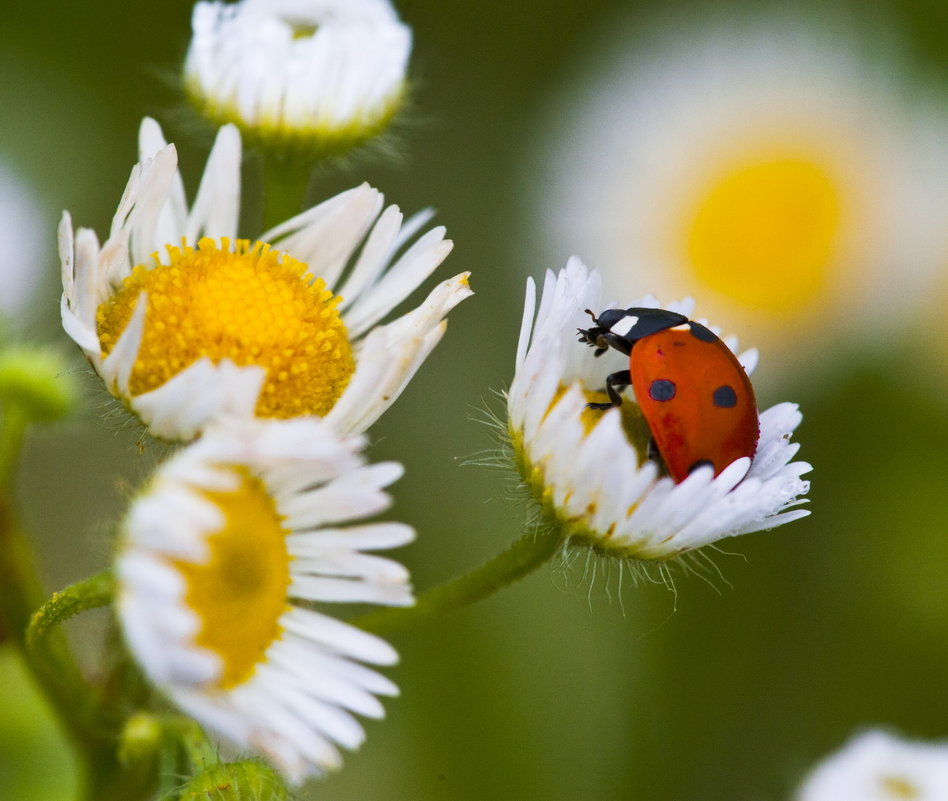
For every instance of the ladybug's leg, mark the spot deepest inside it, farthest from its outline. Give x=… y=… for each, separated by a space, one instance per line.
x=651 y=451
x=615 y=381
x=620 y=379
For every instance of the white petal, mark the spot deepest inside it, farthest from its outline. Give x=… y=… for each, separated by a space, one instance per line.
x=326 y=236
x=371 y=537
x=331 y=688
x=332 y=590
x=390 y=356
x=341 y=637
x=374 y=258
x=146 y=221
x=217 y=204
x=171 y=222
x=326 y=718
x=404 y=277
x=355 y=495
x=117 y=367
x=182 y=406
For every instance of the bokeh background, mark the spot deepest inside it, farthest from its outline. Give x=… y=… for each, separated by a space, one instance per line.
x=566 y=686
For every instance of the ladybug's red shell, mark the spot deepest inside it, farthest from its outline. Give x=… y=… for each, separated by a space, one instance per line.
x=696 y=398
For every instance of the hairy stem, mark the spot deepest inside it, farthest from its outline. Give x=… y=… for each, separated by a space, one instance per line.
x=89 y=593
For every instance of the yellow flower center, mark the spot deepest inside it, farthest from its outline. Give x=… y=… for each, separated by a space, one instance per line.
x=240 y=592
x=900 y=787
x=765 y=234
x=250 y=304
x=302 y=30
x=636 y=430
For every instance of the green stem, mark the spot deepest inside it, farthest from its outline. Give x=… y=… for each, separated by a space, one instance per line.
x=90 y=593
x=285 y=182
x=171 y=772
x=521 y=558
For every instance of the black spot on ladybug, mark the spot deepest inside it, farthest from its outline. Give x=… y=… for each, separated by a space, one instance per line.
x=662 y=390
x=725 y=397
x=701 y=463
x=698 y=331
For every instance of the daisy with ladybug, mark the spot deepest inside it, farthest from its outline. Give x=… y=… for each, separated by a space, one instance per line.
x=689 y=463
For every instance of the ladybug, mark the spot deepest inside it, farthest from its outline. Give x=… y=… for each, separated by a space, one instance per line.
x=693 y=392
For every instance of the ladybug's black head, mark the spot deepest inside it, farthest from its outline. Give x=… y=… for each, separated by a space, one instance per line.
x=622 y=328
x=607 y=319
x=594 y=337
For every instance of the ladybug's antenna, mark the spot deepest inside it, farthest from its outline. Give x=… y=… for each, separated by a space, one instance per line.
x=589 y=312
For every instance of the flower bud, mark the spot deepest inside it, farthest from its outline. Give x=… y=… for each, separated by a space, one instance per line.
x=248 y=780
x=299 y=78
x=34 y=380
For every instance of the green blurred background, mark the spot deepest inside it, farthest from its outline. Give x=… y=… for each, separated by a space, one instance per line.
x=553 y=689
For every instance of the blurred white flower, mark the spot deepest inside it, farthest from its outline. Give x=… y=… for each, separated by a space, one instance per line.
x=588 y=469
x=777 y=171
x=24 y=246
x=183 y=321
x=877 y=766
x=321 y=75
x=223 y=555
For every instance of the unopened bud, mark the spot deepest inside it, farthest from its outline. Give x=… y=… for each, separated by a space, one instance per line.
x=248 y=780
x=34 y=380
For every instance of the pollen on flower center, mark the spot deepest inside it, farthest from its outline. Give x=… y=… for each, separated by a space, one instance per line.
x=302 y=30
x=240 y=591
x=249 y=304
x=765 y=233
x=634 y=427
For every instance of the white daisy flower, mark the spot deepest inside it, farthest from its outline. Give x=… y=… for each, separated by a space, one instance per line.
x=589 y=469
x=775 y=169
x=183 y=321
x=877 y=766
x=317 y=75
x=223 y=556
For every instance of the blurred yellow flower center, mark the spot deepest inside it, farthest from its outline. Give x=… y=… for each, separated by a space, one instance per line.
x=303 y=30
x=240 y=592
x=766 y=234
x=899 y=787
x=250 y=304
